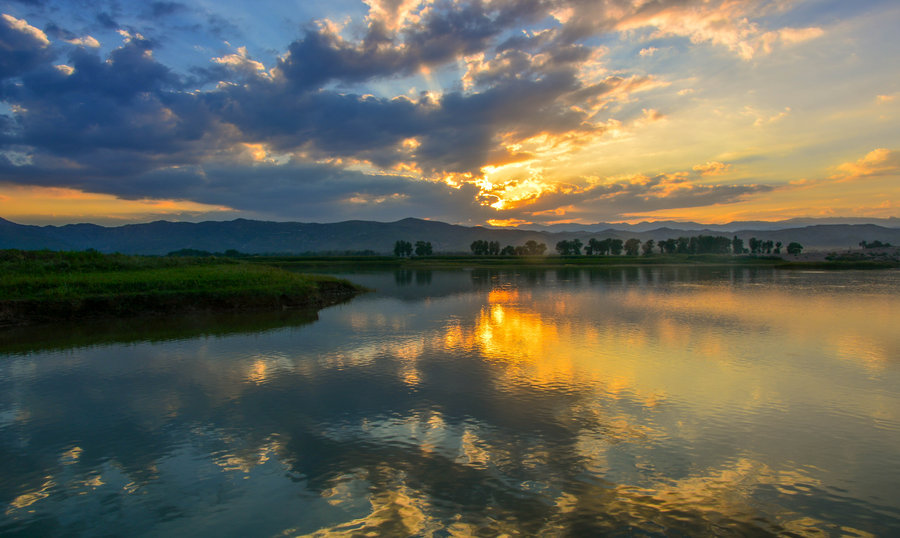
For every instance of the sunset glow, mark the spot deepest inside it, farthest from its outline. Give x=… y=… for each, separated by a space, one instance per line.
x=467 y=112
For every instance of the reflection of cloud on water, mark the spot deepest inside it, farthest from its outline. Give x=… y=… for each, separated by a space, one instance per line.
x=614 y=408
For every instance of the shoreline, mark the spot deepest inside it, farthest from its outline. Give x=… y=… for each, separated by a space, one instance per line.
x=550 y=262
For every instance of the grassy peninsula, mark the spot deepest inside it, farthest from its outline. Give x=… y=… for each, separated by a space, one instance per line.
x=48 y=286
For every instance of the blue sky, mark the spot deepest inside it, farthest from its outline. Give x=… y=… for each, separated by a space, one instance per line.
x=504 y=112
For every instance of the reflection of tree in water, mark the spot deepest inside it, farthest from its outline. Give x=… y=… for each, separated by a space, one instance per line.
x=423 y=277
x=403 y=277
x=476 y=442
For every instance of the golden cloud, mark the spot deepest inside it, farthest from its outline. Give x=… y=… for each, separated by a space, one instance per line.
x=22 y=26
x=878 y=162
x=712 y=168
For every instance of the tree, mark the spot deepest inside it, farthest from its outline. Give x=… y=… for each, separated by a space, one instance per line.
x=615 y=246
x=671 y=245
x=494 y=248
x=576 y=247
x=423 y=248
x=737 y=245
x=508 y=250
x=778 y=247
x=533 y=248
x=402 y=248
x=562 y=247
x=794 y=248
x=632 y=246
x=480 y=247
x=648 y=247
x=755 y=245
x=569 y=248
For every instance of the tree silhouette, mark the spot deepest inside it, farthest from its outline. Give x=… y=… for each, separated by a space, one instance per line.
x=615 y=246
x=632 y=246
x=533 y=248
x=569 y=248
x=794 y=248
x=480 y=247
x=423 y=248
x=737 y=245
x=648 y=247
x=403 y=248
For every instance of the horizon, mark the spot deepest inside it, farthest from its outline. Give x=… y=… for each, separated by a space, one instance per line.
x=529 y=227
x=501 y=113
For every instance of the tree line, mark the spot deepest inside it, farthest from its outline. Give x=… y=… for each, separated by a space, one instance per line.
x=405 y=248
x=480 y=247
x=699 y=244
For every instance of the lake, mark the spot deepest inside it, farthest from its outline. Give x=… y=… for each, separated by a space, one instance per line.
x=651 y=401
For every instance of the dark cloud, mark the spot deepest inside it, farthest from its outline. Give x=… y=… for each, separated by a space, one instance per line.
x=126 y=124
x=22 y=47
x=166 y=9
x=54 y=31
x=448 y=30
x=106 y=20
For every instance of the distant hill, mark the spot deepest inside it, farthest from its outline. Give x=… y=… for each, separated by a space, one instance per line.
x=256 y=237
x=730 y=227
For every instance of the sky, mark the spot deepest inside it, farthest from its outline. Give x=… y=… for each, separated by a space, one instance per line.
x=501 y=112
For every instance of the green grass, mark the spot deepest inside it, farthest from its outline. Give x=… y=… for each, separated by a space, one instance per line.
x=63 y=285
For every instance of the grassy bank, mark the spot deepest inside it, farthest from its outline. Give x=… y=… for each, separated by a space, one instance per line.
x=44 y=286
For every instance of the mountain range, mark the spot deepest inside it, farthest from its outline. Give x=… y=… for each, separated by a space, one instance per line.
x=258 y=237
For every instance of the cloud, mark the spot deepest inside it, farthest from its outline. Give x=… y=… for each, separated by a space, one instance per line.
x=712 y=168
x=878 y=162
x=166 y=9
x=395 y=14
x=727 y=23
x=617 y=197
x=22 y=47
x=241 y=63
x=85 y=41
x=651 y=114
x=69 y=37
x=510 y=83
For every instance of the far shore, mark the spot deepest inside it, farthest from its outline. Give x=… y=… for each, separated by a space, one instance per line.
x=803 y=261
x=47 y=286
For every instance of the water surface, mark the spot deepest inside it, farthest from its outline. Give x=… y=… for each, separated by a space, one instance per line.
x=553 y=402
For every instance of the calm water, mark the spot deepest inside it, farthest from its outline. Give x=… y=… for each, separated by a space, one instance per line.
x=621 y=401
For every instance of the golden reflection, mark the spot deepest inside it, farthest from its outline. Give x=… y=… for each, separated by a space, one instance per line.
x=71 y=456
x=27 y=499
x=258 y=372
x=862 y=349
x=245 y=460
x=395 y=508
x=471 y=451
